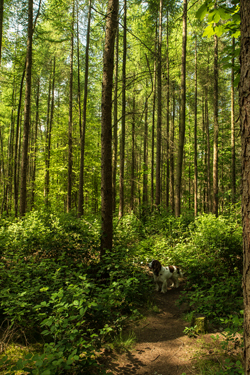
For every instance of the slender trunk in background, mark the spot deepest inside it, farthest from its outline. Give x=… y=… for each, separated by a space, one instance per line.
x=216 y=129
x=26 y=125
x=16 y=182
x=207 y=155
x=1 y=27
x=70 y=126
x=115 y=139
x=153 y=124
x=78 y=71
x=195 y=138
x=233 y=178
x=182 y=114
x=33 y=179
x=159 y=114
x=122 y=144
x=106 y=123
x=133 y=158
x=171 y=151
x=145 y=160
x=83 y=132
x=168 y=116
x=244 y=102
x=48 y=143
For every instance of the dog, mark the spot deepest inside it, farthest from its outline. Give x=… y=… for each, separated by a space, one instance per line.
x=165 y=276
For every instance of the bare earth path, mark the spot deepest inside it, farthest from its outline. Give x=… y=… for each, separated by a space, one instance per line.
x=161 y=347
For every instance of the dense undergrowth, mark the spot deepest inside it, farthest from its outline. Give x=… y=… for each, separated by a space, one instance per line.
x=55 y=292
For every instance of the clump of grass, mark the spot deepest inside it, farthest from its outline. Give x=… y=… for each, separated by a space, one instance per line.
x=124 y=341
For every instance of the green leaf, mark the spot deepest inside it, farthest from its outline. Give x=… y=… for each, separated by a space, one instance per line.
x=201 y=12
x=209 y=31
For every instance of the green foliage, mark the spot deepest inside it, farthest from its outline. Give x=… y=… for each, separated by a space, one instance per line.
x=51 y=286
x=55 y=290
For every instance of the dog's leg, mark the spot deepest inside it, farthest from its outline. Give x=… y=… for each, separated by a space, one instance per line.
x=157 y=287
x=176 y=282
x=164 y=288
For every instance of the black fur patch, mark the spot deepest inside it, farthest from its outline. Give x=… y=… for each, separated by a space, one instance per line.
x=171 y=269
x=156 y=266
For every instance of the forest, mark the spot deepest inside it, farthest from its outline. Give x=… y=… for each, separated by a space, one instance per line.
x=120 y=142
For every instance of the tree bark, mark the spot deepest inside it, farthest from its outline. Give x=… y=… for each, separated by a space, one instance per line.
x=24 y=165
x=115 y=139
x=70 y=125
x=83 y=132
x=33 y=179
x=153 y=125
x=183 y=114
x=1 y=27
x=145 y=160
x=171 y=156
x=159 y=114
x=106 y=124
x=133 y=158
x=233 y=172
x=216 y=129
x=244 y=95
x=195 y=137
x=122 y=144
x=48 y=142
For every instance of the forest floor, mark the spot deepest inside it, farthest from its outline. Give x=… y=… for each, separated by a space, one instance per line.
x=161 y=347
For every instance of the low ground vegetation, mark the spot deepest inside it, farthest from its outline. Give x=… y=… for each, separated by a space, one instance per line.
x=64 y=305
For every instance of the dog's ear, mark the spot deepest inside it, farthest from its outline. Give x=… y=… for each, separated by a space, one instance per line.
x=156 y=265
x=171 y=269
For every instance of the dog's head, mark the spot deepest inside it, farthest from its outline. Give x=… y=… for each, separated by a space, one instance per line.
x=155 y=265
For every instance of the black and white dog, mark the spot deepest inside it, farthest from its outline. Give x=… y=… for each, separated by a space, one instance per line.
x=165 y=276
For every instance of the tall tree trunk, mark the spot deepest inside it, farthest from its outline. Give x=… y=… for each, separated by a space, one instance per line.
x=159 y=114
x=168 y=117
x=24 y=165
x=122 y=144
x=78 y=71
x=48 y=143
x=216 y=129
x=183 y=113
x=133 y=158
x=16 y=182
x=145 y=160
x=153 y=124
x=70 y=126
x=115 y=139
x=244 y=95
x=106 y=122
x=81 y=178
x=195 y=137
x=33 y=179
x=171 y=156
x=1 y=27
x=233 y=172
x=207 y=156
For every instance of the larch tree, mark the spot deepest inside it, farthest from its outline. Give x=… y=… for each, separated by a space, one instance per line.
x=106 y=125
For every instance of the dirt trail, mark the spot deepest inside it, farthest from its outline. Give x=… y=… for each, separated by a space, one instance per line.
x=161 y=347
